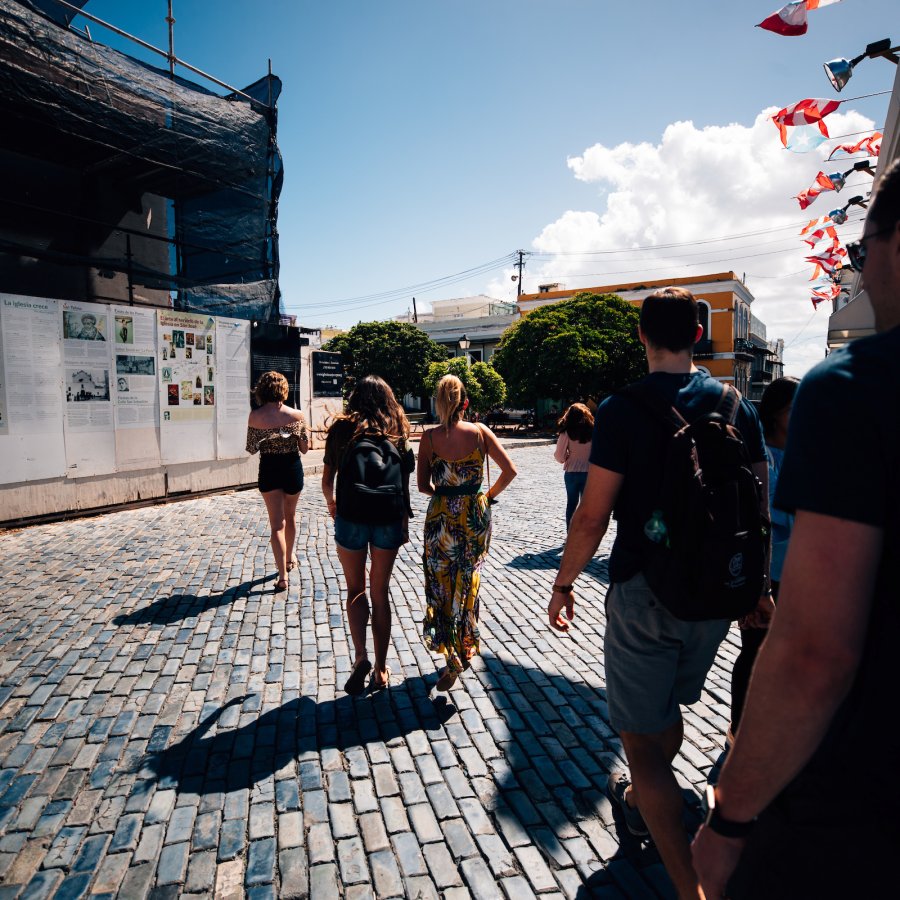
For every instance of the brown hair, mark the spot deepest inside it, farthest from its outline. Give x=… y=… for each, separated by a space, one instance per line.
x=450 y=400
x=272 y=387
x=373 y=409
x=669 y=319
x=577 y=422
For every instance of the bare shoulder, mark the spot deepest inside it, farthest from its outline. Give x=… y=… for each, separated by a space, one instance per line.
x=295 y=414
x=254 y=420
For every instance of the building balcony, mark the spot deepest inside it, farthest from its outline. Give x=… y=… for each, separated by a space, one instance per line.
x=743 y=349
x=703 y=349
x=760 y=377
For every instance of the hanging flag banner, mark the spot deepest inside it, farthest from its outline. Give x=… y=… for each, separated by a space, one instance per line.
x=791 y=20
x=803 y=138
x=871 y=144
x=828 y=262
x=187 y=385
x=804 y=112
x=819 y=233
x=32 y=446
x=87 y=363
x=821 y=294
x=822 y=183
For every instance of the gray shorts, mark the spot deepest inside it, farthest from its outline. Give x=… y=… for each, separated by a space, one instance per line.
x=654 y=662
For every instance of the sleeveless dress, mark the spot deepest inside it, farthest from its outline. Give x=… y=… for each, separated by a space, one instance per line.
x=457 y=535
x=280 y=466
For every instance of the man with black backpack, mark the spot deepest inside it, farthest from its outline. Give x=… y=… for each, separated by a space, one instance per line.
x=679 y=458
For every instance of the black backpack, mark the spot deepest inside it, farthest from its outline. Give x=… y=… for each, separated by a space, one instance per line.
x=705 y=544
x=373 y=481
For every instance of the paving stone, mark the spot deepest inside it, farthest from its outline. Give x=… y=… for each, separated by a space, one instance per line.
x=386 y=874
x=443 y=869
x=409 y=855
x=479 y=879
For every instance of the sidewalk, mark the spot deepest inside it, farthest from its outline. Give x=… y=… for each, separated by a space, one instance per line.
x=170 y=727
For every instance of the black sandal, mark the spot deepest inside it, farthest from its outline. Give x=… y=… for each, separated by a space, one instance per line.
x=356 y=683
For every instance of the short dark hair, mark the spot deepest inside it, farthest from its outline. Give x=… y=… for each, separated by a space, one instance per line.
x=885 y=208
x=669 y=319
x=777 y=397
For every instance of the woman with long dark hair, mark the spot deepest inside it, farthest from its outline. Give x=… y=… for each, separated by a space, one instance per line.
x=363 y=450
x=573 y=450
x=278 y=432
x=457 y=525
x=774 y=413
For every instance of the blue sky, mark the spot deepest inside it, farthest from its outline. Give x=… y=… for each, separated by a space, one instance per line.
x=422 y=139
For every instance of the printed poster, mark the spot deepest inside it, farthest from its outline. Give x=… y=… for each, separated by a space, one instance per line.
x=87 y=376
x=186 y=356
x=135 y=387
x=31 y=407
x=233 y=372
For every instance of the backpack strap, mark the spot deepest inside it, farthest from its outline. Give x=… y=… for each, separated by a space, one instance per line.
x=729 y=402
x=648 y=398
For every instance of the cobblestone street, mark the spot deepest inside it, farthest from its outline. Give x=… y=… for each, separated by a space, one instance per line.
x=171 y=727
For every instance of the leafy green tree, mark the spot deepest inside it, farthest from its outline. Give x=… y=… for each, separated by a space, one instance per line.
x=484 y=385
x=398 y=352
x=578 y=349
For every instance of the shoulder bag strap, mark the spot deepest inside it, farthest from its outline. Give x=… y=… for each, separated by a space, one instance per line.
x=729 y=402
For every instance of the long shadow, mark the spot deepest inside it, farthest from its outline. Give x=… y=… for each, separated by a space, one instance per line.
x=545 y=740
x=176 y=607
x=597 y=568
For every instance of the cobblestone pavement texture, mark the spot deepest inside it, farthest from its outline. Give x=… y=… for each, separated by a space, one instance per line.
x=171 y=727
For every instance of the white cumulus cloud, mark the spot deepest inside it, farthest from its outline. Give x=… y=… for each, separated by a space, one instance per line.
x=695 y=186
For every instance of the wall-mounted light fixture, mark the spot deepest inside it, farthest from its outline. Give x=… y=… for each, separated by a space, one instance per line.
x=839 y=71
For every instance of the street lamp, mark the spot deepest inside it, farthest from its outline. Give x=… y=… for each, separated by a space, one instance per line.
x=840 y=70
x=464 y=344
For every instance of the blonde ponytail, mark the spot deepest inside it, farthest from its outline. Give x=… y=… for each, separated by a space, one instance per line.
x=449 y=400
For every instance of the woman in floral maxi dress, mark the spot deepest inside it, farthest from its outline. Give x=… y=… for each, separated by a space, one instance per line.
x=457 y=526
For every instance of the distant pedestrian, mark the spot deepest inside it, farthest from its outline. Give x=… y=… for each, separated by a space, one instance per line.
x=457 y=526
x=367 y=450
x=774 y=413
x=278 y=432
x=573 y=450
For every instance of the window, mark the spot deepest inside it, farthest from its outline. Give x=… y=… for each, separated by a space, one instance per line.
x=704 y=314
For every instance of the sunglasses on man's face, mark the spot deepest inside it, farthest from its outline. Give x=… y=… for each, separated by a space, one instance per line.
x=856 y=252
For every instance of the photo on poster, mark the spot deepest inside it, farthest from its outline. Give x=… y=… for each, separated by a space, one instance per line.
x=198 y=398
x=209 y=395
x=187 y=390
x=125 y=329
x=173 y=395
x=209 y=344
x=188 y=353
x=87 y=384
x=122 y=385
x=165 y=353
x=126 y=364
x=177 y=339
x=189 y=338
x=209 y=374
x=82 y=326
x=167 y=416
x=167 y=373
x=167 y=337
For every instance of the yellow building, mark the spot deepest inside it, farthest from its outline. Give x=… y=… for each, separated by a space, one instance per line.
x=734 y=347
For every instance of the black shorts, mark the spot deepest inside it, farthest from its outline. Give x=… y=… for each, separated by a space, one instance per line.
x=281 y=472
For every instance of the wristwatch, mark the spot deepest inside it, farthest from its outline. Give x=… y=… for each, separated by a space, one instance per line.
x=716 y=822
x=563 y=588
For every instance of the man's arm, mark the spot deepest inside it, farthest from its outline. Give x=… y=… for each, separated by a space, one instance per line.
x=586 y=530
x=803 y=673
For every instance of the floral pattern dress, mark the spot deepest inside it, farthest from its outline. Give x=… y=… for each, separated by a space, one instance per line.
x=457 y=537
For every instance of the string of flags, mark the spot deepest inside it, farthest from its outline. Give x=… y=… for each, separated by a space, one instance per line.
x=871 y=144
x=791 y=20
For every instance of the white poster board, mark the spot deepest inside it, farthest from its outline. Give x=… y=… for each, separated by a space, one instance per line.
x=87 y=376
x=233 y=374
x=187 y=386
x=31 y=431
x=135 y=388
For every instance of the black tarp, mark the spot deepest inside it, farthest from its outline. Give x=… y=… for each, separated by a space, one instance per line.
x=114 y=132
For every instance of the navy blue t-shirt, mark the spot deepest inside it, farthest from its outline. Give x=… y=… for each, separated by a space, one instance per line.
x=630 y=440
x=843 y=460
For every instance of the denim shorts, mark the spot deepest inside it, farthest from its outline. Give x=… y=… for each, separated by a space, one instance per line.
x=654 y=661
x=358 y=536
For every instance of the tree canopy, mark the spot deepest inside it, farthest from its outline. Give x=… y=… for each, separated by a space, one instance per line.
x=578 y=349
x=484 y=385
x=396 y=351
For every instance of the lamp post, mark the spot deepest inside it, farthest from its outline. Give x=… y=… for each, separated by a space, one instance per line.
x=464 y=344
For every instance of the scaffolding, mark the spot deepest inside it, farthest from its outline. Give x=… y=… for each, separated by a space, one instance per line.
x=127 y=182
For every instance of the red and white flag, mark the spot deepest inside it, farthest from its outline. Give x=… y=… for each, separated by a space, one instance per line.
x=871 y=144
x=804 y=112
x=828 y=292
x=819 y=233
x=827 y=262
x=812 y=224
x=791 y=20
x=819 y=186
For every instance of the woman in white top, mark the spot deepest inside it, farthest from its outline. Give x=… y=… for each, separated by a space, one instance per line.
x=573 y=450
